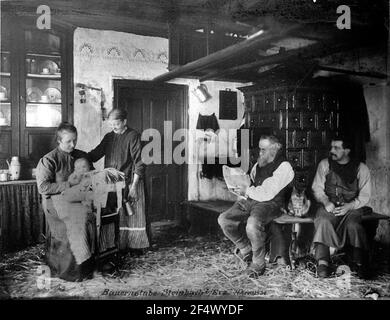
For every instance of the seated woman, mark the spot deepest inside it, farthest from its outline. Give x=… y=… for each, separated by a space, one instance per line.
x=71 y=238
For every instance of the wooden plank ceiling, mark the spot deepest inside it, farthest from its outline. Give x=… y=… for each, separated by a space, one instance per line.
x=276 y=34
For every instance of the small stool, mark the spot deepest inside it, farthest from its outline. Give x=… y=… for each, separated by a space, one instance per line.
x=285 y=219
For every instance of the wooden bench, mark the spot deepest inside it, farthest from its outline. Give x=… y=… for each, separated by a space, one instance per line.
x=203 y=215
x=369 y=221
x=203 y=219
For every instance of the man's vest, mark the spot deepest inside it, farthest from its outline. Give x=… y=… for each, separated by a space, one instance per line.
x=267 y=171
x=338 y=189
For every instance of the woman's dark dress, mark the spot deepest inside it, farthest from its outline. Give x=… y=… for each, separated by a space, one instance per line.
x=123 y=152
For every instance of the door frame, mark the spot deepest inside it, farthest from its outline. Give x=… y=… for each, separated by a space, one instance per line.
x=140 y=84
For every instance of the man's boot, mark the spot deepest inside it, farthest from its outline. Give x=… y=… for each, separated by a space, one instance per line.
x=323 y=269
x=322 y=255
x=257 y=267
x=243 y=256
x=255 y=270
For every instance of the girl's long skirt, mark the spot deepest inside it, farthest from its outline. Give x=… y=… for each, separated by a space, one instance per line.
x=133 y=228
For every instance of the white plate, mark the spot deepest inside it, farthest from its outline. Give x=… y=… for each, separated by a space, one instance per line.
x=54 y=95
x=34 y=94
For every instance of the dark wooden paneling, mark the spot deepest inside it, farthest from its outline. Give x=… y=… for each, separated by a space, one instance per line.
x=5 y=147
x=157 y=196
x=187 y=45
x=39 y=143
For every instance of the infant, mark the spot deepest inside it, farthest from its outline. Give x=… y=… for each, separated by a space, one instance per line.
x=80 y=182
x=81 y=167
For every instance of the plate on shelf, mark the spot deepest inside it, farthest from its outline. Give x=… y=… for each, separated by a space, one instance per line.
x=54 y=95
x=50 y=65
x=3 y=94
x=34 y=94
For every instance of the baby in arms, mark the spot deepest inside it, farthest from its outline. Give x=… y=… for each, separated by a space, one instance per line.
x=80 y=182
x=81 y=167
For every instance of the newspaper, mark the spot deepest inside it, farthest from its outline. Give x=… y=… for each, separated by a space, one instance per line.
x=236 y=178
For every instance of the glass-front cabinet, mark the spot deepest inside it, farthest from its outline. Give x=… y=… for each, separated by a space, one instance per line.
x=5 y=86
x=43 y=79
x=35 y=90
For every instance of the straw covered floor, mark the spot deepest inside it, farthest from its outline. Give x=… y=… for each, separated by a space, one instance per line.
x=179 y=266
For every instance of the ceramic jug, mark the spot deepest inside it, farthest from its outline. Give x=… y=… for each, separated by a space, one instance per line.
x=14 y=168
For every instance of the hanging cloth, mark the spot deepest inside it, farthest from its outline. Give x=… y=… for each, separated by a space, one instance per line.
x=207 y=122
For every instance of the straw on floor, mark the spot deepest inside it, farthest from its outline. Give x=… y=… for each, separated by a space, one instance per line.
x=182 y=267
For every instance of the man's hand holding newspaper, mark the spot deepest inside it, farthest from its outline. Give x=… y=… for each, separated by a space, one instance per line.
x=237 y=181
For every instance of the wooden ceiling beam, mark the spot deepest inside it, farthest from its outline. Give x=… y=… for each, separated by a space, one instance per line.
x=217 y=58
x=309 y=52
x=369 y=74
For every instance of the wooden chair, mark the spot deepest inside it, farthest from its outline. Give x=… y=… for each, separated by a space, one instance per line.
x=106 y=217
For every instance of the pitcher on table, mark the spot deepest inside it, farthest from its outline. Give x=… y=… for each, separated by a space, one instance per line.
x=14 y=168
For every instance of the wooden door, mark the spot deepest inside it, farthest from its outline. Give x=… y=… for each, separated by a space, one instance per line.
x=148 y=106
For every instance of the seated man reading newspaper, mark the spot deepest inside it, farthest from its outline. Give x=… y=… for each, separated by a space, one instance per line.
x=246 y=223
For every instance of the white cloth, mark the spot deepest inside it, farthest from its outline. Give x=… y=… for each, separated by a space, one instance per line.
x=74 y=215
x=271 y=186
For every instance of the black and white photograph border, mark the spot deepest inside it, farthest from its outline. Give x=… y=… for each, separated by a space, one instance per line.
x=140 y=87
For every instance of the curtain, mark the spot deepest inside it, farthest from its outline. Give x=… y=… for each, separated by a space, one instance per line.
x=21 y=216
